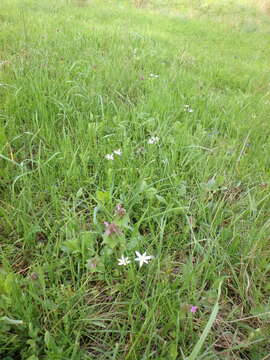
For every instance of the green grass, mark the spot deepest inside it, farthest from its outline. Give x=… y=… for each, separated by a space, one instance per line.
x=75 y=85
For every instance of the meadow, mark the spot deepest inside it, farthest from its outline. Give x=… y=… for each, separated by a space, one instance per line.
x=134 y=180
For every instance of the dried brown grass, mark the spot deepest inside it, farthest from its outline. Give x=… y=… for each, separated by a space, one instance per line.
x=263 y=5
x=141 y=3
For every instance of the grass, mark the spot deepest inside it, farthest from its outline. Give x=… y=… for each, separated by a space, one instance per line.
x=80 y=80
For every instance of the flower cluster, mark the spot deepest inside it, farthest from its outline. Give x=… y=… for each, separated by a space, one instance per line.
x=193 y=309
x=115 y=152
x=153 y=140
x=141 y=258
x=111 y=229
x=119 y=210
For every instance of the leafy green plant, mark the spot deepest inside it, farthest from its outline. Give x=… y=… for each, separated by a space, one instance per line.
x=126 y=134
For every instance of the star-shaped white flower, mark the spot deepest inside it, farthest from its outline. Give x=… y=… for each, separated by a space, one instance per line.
x=123 y=261
x=143 y=258
x=109 y=157
x=153 y=140
x=118 y=152
x=188 y=108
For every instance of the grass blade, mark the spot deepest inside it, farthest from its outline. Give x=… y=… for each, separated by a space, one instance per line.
x=198 y=346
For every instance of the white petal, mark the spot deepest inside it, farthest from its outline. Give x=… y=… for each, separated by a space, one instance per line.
x=109 y=157
x=118 y=152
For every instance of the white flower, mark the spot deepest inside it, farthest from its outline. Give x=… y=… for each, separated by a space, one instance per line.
x=188 y=108
x=154 y=75
x=109 y=157
x=143 y=259
x=123 y=261
x=153 y=140
x=118 y=152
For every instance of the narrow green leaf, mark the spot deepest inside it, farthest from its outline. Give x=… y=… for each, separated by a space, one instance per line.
x=198 y=346
x=10 y=321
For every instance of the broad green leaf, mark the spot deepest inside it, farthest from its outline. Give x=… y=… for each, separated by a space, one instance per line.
x=32 y=357
x=173 y=353
x=114 y=240
x=151 y=193
x=122 y=221
x=48 y=339
x=141 y=186
x=71 y=246
x=103 y=196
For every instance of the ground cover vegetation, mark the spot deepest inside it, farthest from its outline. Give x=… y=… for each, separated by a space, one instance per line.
x=134 y=180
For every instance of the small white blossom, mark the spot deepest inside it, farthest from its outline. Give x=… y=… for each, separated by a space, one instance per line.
x=188 y=108
x=118 y=152
x=109 y=157
x=123 y=261
x=153 y=140
x=154 y=75
x=143 y=258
